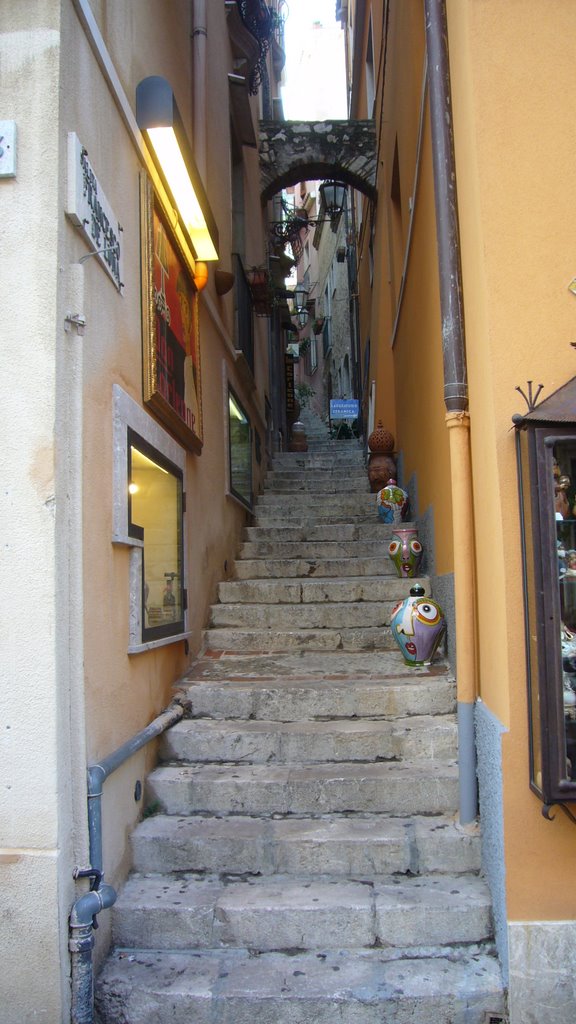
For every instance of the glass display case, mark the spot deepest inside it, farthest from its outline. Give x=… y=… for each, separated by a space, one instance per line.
x=546 y=449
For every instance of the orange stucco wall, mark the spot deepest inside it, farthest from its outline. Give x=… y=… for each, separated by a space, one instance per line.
x=513 y=99
x=401 y=303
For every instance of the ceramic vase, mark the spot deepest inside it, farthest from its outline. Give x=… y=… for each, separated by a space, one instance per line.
x=418 y=625
x=405 y=551
x=392 y=503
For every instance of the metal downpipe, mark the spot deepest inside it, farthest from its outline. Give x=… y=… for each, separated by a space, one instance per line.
x=455 y=392
x=101 y=896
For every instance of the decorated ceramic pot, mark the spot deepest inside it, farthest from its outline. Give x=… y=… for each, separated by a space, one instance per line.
x=405 y=551
x=392 y=503
x=418 y=625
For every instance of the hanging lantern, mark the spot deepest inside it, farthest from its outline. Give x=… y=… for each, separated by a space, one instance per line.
x=333 y=197
x=301 y=293
x=302 y=316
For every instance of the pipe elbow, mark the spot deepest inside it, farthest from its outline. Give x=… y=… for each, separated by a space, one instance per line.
x=92 y=903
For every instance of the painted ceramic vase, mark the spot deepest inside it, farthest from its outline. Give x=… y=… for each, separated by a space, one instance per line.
x=392 y=503
x=418 y=625
x=405 y=551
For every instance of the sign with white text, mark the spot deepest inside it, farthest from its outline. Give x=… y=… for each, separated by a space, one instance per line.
x=344 y=408
x=91 y=212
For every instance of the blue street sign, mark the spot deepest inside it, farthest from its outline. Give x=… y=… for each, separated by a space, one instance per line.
x=343 y=408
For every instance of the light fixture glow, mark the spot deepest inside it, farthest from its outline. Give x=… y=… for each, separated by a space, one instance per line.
x=158 y=117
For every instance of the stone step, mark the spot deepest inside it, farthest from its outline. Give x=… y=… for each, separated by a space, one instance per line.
x=207 y=740
x=345 y=501
x=332 y=451
x=397 y=788
x=327 y=685
x=317 y=479
x=366 y=589
x=342 y=845
x=314 y=615
x=291 y=912
x=239 y=986
x=277 y=641
x=303 y=520
x=369 y=530
x=377 y=549
x=307 y=568
x=356 y=482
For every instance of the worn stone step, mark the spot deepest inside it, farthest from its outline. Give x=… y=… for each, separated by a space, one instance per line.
x=345 y=501
x=342 y=845
x=316 y=549
x=369 y=530
x=370 y=638
x=361 y=987
x=307 y=568
x=311 y=616
x=316 y=479
x=260 y=742
x=341 y=454
x=400 y=788
x=289 y=912
x=305 y=517
x=285 y=687
x=303 y=590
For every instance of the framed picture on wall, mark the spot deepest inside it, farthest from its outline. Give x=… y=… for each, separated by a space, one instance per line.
x=172 y=383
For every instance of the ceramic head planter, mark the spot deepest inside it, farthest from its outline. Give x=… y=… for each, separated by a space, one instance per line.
x=405 y=551
x=418 y=625
x=392 y=503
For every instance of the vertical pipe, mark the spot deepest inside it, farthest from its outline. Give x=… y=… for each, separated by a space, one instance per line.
x=447 y=227
x=455 y=392
x=199 y=39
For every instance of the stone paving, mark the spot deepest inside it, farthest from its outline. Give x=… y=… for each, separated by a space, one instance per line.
x=304 y=864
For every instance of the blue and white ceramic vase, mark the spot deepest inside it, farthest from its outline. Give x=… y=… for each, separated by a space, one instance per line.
x=418 y=625
x=392 y=503
x=405 y=551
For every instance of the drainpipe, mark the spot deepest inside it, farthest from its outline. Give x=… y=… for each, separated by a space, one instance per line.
x=455 y=393
x=101 y=896
x=199 y=39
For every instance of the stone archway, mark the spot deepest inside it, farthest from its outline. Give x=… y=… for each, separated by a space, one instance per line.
x=293 y=151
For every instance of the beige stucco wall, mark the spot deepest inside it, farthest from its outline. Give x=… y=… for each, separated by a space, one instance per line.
x=38 y=664
x=514 y=102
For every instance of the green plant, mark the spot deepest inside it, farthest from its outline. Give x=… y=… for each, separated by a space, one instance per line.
x=304 y=392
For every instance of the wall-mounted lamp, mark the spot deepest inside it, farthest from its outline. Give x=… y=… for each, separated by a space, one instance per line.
x=200 y=275
x=333 y=197
x=300 y=294
x=159 y=119
x=302 y=316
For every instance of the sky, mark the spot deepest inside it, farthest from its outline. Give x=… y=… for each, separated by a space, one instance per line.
x=315 y=82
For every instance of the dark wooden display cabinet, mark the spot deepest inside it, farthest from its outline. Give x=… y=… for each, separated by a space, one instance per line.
x=546 y=450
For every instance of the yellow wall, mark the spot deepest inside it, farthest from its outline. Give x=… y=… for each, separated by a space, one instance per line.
x=405 y=325
x=514 y=102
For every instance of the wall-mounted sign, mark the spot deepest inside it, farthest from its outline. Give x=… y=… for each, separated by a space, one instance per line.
x=344 y=408
x=88 y=208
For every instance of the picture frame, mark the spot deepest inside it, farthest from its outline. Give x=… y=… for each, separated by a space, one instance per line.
x=172 y=383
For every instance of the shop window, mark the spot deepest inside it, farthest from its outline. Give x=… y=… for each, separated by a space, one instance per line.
x=239 y=451
x=546 y=449
x=149 y=503
x=155 y=517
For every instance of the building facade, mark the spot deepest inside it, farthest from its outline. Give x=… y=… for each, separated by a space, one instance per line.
x=149 y=381
x=465 y=272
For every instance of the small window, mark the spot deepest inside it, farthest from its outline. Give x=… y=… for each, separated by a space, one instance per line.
x=148 y=519
x=240 y=451
x=155 y=518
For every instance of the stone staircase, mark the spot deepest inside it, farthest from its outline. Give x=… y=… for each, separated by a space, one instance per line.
x=304 y=864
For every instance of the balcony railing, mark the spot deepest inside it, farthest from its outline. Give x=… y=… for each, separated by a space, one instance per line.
x=266 y=25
